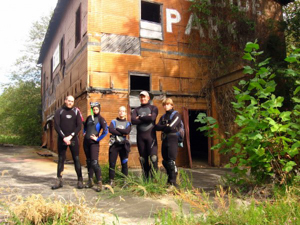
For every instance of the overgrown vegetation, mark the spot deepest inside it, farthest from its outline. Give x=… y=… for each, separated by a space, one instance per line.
x=35 y=209
x=268 y=139
x=223 y=29
x=224 y=208
x=137 y=184
x=292 y=24
x=20 y=112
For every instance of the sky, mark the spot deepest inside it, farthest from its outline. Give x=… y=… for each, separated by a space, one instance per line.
x=16 y=19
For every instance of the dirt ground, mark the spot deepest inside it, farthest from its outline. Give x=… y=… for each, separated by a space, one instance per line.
x=25 y=172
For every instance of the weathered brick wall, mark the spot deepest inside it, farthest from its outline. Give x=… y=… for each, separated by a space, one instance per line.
x=111 y=48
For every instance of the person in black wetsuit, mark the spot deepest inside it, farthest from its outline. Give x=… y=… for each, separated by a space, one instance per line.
x=144 y=117
x=169 y=124
x=92 y=126
x=67 y=123
x=119 y=128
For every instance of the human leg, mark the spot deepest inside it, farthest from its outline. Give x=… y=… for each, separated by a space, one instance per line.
x=60 y=164
x=75 y=155
x=95 y=165
x=86 y=148
x=143 y=155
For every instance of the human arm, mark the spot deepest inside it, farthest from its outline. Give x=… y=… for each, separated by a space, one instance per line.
x=151 y=117
x=135 y=120
x=160 y=126
x=104 y=127
x=125 y=131
x=113 y=130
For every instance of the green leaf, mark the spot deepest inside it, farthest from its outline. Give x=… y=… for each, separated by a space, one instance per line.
x=248 y=57
x=285 y=116
x=289 y=166
x=260 y=151
x=291 y=59
x=297 y=90
x=242 y=82
x=248 y=70
x=250 y=46
x=265 y=62
x=233 y=160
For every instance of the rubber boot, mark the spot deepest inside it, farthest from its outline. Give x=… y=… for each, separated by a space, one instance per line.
x=80 y=184
x=58 y=183
x=111 y=183
x=99 y=186
x=172 y=178
x=89 y=183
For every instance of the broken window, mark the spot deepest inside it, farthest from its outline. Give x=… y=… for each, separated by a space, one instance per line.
x=138 y=82
x=151 y=20
x=51 y=70
x=78 y=26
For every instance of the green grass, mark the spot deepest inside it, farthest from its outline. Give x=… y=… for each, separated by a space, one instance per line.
x=138 y=185
x=283 y=208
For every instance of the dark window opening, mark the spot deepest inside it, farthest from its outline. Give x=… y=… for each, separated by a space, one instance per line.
x=139 y=83
x=78 y=26
x=51 y=70
x=151 y=12
x=44 y=82
x=61 y=53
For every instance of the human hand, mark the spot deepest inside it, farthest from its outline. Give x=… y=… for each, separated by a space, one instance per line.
x=93 y=137
x=67 y=140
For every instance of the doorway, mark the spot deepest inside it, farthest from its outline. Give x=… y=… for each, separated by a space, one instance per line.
x=198 y=141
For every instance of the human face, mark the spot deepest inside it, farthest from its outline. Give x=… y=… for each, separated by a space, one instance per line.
x=144 y=99
x=69 y=102
x=122 y=112
x=96 y=110
x=168 y=107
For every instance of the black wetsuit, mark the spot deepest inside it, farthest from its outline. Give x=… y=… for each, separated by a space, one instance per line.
x=169 y=148
x=68 y=122
x=91 y=147
x=146 y=136
x=119 y=145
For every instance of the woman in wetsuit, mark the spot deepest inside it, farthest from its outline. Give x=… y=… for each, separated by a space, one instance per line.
x=118 y=143
x=169 y=124
x=92 y=126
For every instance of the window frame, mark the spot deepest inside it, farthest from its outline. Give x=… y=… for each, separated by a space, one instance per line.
x=150 y=29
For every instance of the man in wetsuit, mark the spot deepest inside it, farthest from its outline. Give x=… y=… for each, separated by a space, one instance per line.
x=144 y=117
x=67 y=123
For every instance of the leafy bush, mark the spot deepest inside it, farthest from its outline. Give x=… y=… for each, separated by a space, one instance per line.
x=268 y=139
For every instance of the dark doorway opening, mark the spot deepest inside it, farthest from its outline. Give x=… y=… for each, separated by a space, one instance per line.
x=198 y=141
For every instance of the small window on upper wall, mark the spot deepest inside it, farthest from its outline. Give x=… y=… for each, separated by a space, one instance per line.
x=78 y=26
x=62 y=53
x=138 y=82
x=151 y=20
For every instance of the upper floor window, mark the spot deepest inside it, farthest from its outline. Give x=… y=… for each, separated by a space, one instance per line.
x=151 y=20
x=78 y=26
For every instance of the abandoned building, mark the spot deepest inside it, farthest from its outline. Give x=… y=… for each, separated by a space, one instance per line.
x=108 y=51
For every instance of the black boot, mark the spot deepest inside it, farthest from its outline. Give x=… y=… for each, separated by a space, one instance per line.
x=99 y=186
x=80 y=183
x=58 y=183
x=89 y=183
x=111 y=183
